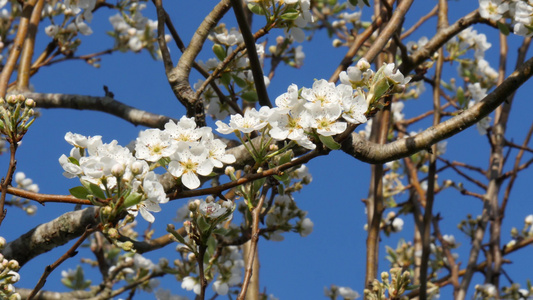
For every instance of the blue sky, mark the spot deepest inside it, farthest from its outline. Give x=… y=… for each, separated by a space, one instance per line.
x=297 y=268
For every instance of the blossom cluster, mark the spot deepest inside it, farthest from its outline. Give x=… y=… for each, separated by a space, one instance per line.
x=133 y=31
x=520 y=12
x=229 y=267
x=183 y=149
x=8 y=276
x=323 y=109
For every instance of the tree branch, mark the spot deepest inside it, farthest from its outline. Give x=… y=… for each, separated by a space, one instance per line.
x=104 y=104
x=48 y=236
x=366 y=151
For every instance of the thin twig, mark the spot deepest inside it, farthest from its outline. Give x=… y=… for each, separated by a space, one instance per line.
x=50 y=268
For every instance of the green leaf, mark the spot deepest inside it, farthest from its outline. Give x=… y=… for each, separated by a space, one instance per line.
x=219 y=51
x=239 y=81
x=256 y=9
x=79 y=192
x=291 y=14
x=282 y=178
x=132 y=199
x=353 y=2
x=250 y=96
x=222 y=231
x=504 y=29
x=225 y=79
x=202 y=224
x=211 y=246
x=176 y=234
x=96 y=191
x=74 y=161
x=285 y=157
x=381 y=88
x=461 y=96
x=329 y=142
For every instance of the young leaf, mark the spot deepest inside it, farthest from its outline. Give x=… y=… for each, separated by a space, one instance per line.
x=329 y=142
x=79 y=192
x=96 y=191
x=503 y=28
x=219 y=52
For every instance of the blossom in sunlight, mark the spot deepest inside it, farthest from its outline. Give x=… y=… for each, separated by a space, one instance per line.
x=347 y=293
x=478 y=93
x=184 y=131
x=80 y=141
x=191 y=284
x=523 y=17
x=306 y=227
x=214 y=210
x=188 y=163
x=354 y=109
x=153 y=144
x=492 y=9
x=397 y=224
x=25 y=183
x=251 y=121
x=358 y=75
x=325 y=119
x=216 y=150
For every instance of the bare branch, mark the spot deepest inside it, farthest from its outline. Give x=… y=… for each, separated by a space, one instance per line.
x=104 y=104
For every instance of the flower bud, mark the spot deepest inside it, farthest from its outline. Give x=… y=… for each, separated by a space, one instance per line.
x=127 y=246
x=137 y=167
x=209 y=199
x=29 y=103
x=106 y=211
x=113 y=233
x=15 y=296
x=193 y=206
x=2 y=245
x=229 y=170
x=117 y=170
x=13 y=265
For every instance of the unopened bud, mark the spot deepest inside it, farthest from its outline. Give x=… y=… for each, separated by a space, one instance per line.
x=13 y=265
x=193 y=206
x=29 y=103
x=117 y=170
x=137 y=167
x=209 y=199
x=113 y=233
x=2 y=245
x=127 y=246
x=336 y=43
x=229 y=170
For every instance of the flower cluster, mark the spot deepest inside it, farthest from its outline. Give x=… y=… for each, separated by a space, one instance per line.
x=26 y=184
x=16 y=116
x=323 y=109
x=478 y=93
x=280 y=216
x=8 y=276
x=112 y=171
x=133 y=31
x=520 y=13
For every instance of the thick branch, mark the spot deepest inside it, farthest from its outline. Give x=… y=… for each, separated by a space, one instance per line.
x=48 y=236
x=366 y=151
x=104 y=104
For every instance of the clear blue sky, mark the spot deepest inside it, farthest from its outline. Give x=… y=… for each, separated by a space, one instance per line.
x=297 y=268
